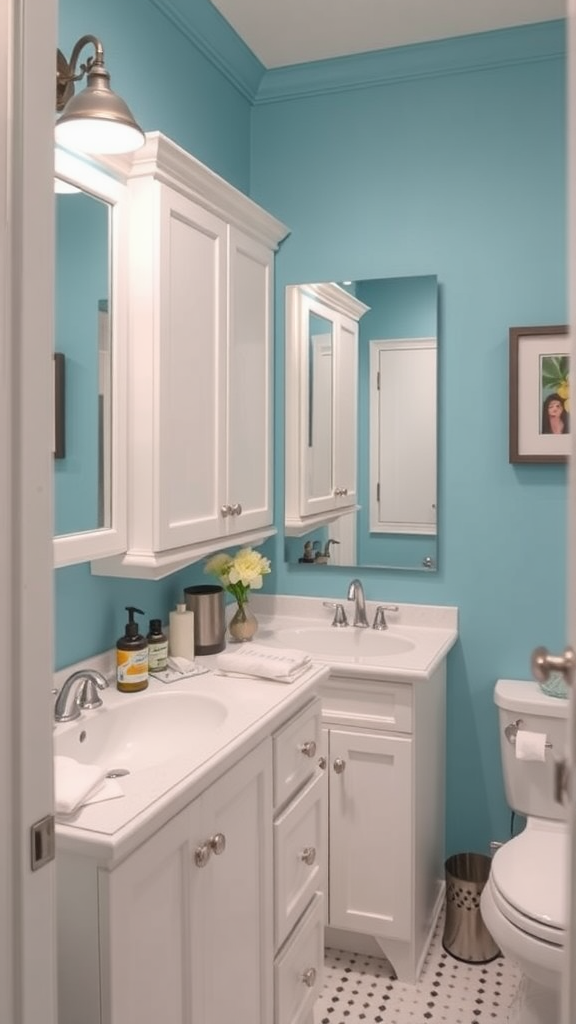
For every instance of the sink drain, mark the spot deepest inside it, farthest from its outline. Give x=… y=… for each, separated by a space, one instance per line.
x=117 y=773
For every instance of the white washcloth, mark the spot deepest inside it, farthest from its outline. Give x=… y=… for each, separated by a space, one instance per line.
x=74 y=783
x=281 y=664
x=109 y=790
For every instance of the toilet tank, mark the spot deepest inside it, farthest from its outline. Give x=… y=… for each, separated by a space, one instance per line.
x=529 y=785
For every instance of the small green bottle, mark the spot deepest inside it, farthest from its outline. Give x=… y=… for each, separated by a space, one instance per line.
x=157 y=647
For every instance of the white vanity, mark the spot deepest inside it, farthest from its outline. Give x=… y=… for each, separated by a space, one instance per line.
x=384 y=741
x=202 y=893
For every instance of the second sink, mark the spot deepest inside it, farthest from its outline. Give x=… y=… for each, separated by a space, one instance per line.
x=327 y=642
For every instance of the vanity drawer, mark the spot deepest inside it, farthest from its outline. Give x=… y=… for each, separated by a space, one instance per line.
x=299 y=845
x=299 y=968
x=296 y=752
x=368 y=703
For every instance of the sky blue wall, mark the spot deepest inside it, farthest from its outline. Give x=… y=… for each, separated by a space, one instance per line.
x=459 y=174
x=415 y=171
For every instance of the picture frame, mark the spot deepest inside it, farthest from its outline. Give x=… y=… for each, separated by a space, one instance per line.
x=59 y=443
x=539 y=394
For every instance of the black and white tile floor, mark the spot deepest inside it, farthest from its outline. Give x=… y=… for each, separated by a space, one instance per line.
x=361 y=989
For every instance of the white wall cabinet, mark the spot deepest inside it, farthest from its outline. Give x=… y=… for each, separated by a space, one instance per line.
x=384 y=744
x=321 y=404
x=200 y=357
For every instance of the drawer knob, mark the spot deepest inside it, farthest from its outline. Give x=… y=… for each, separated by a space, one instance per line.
x=339 y=765
x=308 y=855
x=309 y=977
x=322 y=763
x=236 y=509
x=308 y=748
x=218 y=843
x=225 y=510
x=202 y=855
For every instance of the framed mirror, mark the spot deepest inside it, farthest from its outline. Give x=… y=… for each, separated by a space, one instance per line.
x=361 y=379
x=89 y=332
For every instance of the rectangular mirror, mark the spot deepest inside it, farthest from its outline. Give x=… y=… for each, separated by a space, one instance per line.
x=89 y=486
x=369 y=405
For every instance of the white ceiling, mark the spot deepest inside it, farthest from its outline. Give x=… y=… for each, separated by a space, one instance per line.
x=283 y=32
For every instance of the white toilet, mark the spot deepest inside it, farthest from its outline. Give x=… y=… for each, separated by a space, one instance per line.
x=524 y=902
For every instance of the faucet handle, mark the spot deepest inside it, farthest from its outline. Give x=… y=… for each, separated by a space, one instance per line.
x=339 y=613
x=88 y=690
x=380 y=616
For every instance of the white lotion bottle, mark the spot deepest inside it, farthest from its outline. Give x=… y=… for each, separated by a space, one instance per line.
x=181 y=637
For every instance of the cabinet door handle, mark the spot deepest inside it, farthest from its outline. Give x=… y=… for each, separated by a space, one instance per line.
x=202 y=855
x=236 y=509
x=309 y=977
x=225 y=510
x=308 y=748
x=217 y=843
x=322 y=763
x=339 y=765
x=308 y=855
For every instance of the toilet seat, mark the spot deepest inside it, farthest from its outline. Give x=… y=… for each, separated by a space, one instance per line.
x=528 y=881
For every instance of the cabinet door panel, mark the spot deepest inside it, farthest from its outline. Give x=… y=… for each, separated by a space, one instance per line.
x=145 y=964
x=191 y=351
x=346 y=418
x=370 y=833
x=249 y=426
x=235 y=934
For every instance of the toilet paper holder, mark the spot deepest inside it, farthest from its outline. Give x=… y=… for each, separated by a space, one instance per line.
x=511 y=732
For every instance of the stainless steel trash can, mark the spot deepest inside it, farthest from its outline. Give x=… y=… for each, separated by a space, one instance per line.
x=207 y=603
x=466 y=937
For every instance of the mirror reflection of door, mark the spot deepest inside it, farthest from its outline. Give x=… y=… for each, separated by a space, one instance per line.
x=82 y=499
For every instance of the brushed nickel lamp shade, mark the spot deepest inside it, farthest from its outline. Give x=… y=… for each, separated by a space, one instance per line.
x=96 y=120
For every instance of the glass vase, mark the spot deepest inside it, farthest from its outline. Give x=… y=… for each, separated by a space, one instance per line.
x=243 y=624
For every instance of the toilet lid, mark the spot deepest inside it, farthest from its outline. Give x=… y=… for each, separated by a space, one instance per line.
x=530 y=874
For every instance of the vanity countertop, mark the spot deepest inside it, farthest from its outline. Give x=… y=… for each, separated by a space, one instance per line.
x=418 y=639
x=430 y=631
x=109 y=830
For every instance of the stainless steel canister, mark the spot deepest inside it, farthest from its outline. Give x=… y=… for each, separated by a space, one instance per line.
x=207 y=603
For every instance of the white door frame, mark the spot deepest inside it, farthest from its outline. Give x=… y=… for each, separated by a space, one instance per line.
x=27 y=918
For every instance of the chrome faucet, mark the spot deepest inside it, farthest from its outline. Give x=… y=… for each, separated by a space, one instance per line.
x=356 y=594
x=79 y=691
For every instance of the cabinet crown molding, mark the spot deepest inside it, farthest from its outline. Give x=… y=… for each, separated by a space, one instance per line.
x=165 y=161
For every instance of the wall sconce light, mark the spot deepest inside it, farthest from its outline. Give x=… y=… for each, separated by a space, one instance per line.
x=96 y=120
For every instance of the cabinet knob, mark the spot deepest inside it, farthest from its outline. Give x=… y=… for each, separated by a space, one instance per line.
x=226 y=510
x=340 y=492
x=309 y=977
x=236 y=509
x=202 y=855
x=339 y=765
x=322 y=763
x=217 y=843
x=308 y=748
x=308 y=855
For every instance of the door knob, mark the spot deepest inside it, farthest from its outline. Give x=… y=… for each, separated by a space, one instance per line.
x=202 y=855
x=308 y=855
x=543 y=664
x=308 y=748
x=309 y=977
x=339 y=765
x=217 y=843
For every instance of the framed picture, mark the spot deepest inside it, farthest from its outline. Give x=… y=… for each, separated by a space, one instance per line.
x=539 y=394
x=59 y=445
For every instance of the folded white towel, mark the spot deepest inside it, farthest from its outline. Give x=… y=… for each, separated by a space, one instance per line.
x=109 y=790
x=74 y=783
x=279 y=663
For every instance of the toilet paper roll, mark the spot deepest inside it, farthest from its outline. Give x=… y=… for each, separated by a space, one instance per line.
x=530 y=746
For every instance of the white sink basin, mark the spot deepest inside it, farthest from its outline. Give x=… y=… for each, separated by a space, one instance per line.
x=329 y=642
x=148 y=730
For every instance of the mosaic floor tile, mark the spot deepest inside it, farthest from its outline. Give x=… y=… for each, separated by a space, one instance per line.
x=361 y=989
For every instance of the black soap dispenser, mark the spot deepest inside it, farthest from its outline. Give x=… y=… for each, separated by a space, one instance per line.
x=132 y=657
